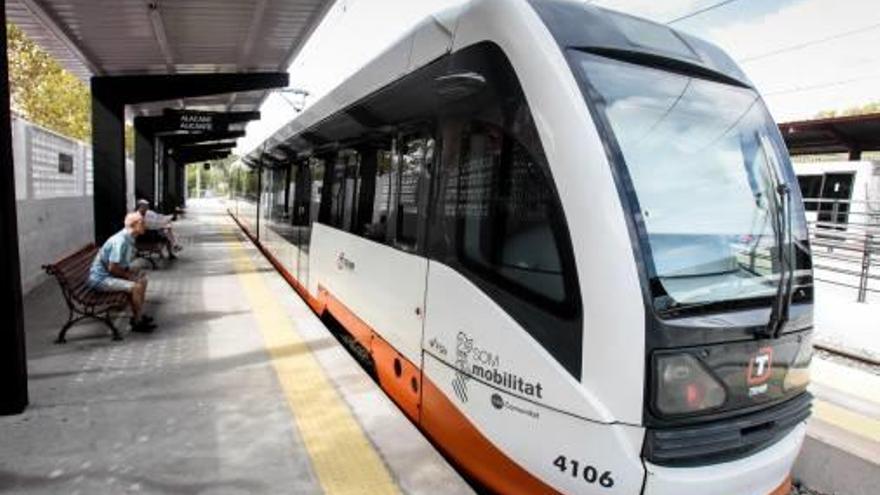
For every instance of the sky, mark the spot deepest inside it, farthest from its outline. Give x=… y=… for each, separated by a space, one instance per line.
x=804 y=56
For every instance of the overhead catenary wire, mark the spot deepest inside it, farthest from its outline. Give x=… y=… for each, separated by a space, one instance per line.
x=830 y=84
x=680 y=18
x=806 y=44
x=786 y=49
x=700 y=11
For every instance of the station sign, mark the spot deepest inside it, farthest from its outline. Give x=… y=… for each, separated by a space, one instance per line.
x=199 y=121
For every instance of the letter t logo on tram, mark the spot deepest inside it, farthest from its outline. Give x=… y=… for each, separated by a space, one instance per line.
x=760 y=366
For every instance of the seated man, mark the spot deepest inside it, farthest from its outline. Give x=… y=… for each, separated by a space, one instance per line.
x=160 y=225
x=112 y=272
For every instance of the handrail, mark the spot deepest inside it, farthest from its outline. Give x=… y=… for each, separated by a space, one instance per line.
x=845 y=243
x=841 y=201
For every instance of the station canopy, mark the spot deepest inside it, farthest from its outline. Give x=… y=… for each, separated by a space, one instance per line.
x=849 y=134
x=164 y=37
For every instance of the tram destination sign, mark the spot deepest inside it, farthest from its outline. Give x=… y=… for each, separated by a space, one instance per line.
x=199 y=121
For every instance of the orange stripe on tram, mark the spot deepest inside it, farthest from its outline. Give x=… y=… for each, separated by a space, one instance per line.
x=358 y=329
x=427 y=406
x=460 y=439
x=399 y=377
x=783 y=489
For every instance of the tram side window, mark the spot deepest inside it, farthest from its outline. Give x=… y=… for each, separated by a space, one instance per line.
x=274 y=181
x=496 y=218
x=364 y=196
x=337 y=185
x=344 y=186
x=290 y=192
x=302 y=197
x=504 y=208
x=352 y=190
x=316 y=169
x=385 y=182
x=416 y=155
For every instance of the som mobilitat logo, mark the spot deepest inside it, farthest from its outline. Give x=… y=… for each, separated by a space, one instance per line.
x=497 y=401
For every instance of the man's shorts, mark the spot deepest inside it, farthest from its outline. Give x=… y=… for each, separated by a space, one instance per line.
x=113 y=284
x=152 y=236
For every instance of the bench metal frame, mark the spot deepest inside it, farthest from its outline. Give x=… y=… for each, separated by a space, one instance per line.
x=147 y=248
x=147 y=251
x=98 y=306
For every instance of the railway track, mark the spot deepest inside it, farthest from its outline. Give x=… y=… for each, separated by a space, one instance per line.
x=871 y=364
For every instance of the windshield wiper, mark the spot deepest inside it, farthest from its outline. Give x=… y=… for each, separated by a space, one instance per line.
x=789 y=261
x=782 y=223
x=678 y=309
x=748 y=269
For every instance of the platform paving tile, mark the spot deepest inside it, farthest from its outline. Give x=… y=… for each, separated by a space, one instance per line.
x=193 y=408
x=196 y=407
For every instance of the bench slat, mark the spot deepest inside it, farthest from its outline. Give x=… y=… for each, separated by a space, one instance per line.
x=75 y=269
x=72 y=272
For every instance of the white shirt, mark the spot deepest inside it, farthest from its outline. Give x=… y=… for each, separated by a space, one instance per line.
x=155 y=221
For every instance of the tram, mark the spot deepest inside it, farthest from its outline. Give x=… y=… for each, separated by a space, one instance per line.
x=570 y=242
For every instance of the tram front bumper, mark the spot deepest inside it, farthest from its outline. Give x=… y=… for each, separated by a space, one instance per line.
x=764 y=473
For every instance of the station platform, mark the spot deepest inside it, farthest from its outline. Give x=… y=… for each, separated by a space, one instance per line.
x=841 y=453
x=241 y=389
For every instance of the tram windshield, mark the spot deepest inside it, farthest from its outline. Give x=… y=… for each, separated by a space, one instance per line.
x=706 y=173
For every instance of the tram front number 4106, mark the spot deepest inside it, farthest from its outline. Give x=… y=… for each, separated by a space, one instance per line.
x=582 y=470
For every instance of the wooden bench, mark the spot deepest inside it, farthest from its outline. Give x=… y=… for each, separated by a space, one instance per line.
x=148 y=245
x=147 y=250
x=72 y=274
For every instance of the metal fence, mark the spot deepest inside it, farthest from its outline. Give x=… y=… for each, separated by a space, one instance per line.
x=845 y=237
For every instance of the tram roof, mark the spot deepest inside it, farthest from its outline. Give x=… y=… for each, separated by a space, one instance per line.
x=848 y=134
x=137 y=37
x=433 y=37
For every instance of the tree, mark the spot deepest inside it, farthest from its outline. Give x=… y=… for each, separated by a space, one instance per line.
x=219 y=178
x=873 y=107
x=43 y=92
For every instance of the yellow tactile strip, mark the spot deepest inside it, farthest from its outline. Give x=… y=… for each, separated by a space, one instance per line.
x=342 y=457
x=848 y=420
x=858 y=384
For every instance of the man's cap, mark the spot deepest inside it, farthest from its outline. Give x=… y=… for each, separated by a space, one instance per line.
x=143 y=202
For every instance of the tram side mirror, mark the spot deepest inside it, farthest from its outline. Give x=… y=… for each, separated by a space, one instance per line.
x=457 y=86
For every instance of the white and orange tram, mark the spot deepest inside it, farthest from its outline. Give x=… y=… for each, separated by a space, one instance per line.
x=570 y=243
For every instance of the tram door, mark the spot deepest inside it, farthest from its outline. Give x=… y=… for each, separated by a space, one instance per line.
x=379 y=272
x=405 y=225
x=414 y=156
x=311 y=184
x=300 y=204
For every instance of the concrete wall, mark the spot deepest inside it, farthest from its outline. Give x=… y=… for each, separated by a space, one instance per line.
x=55 y=208
x=49 y=229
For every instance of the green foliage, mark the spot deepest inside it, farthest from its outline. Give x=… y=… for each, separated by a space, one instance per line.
x=43 y=92
x=219 y=179
x=243 y=182
x=873 y=107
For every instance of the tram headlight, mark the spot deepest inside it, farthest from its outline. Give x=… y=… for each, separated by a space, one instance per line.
x=798 y=375
x=685 y=386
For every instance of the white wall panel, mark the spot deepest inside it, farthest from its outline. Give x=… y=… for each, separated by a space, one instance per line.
x=55 y=210
x=44 y=149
